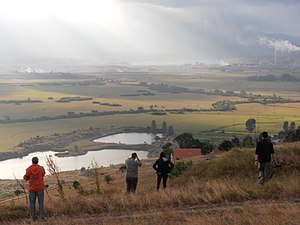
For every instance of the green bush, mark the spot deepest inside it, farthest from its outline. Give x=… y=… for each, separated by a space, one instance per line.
x=107 y=179
x=76 y=184
x=180 y=167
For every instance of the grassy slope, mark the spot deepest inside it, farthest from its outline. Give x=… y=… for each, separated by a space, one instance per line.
x=223 y=190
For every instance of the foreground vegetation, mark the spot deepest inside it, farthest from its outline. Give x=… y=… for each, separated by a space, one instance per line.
x=223 y=190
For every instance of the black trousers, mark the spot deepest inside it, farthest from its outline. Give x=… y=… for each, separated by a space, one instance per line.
x=131 y=184
x=160 y=177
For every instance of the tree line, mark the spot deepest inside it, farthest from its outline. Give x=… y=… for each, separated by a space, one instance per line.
x=270 y=77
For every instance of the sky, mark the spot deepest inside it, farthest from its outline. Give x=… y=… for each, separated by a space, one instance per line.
x=136 y=31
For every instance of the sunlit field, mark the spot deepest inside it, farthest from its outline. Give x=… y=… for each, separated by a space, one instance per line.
x=201 y=124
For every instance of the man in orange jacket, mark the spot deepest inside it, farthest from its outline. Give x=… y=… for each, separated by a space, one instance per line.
x=35 y=175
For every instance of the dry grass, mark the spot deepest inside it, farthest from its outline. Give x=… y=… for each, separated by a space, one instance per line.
x=250 y=214
x=221 y=191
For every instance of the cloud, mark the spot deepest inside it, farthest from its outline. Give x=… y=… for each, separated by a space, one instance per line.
x=131 y=30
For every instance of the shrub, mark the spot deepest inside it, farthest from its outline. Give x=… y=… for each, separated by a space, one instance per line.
x=107 y=179
x=180 y=167
x=18 y=192
x=226 y=145
x=76 y=184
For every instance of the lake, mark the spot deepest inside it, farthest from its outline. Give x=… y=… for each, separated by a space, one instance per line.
x=105 y=157
x=129 y=138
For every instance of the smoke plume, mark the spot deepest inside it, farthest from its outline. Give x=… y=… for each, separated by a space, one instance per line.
x=278 y=45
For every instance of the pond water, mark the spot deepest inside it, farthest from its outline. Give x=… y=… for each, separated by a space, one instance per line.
x=129 y=138
x=17 y=167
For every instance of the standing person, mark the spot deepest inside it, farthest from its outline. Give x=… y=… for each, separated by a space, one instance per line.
x=163 y=167
x=35 y=175
x=264 y=154
x=132 y=165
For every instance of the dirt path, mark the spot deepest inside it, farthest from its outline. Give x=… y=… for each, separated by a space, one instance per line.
x=183 y=211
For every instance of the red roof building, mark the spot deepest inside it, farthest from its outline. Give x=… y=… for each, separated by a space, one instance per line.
x=184 y=153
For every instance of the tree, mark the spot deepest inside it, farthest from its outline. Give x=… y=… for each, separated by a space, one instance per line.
x=206 y=147
x=281 y=134
x=225 y=105
x=236 y=142
x=298 y=133
x=248 y=142
x=226 y=145
x=286 y=126
x=290 y=136
x=292 y=126
x=170 y=131
x=164 y=128
x=167 y=149
x=293 y=134
x=185 y=140
x=250 y=125
x=140 y=108
x=153 y=127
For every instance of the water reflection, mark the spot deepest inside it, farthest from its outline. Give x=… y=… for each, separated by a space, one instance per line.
x=103 y=158
x=129 y=138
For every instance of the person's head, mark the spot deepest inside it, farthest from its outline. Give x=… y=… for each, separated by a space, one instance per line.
x=134 y=155
x=35 y=160
x=265 y=135
x=162 y=154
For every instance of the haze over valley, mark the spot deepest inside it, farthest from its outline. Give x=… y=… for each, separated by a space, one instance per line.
x=87 y=82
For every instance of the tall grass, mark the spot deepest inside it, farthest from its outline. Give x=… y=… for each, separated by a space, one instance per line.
x=260 y=213
x=227 y=179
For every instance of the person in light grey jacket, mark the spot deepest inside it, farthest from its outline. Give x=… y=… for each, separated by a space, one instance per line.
x=132 y=165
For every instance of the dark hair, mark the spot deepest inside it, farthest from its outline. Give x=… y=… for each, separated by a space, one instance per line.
x=35 y=160
x=265 y=134
x=162 y=154
x=133 y=155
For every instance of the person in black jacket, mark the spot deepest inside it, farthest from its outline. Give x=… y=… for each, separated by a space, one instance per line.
x=264 y=154
x=163 y=167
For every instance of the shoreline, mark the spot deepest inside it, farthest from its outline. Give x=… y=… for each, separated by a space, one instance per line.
x=78 y=142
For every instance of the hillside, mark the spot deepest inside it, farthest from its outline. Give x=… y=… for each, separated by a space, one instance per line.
x=222 y=190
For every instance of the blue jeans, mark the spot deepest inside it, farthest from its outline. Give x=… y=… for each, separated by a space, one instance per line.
x=32 y=201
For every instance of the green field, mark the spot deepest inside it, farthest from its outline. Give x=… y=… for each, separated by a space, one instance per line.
x=201 y=124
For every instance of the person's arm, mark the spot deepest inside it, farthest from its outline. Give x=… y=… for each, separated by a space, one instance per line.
x=256 y=154
x=256 y=160
x=171 y=165
x=27 y=175
x=155 y=165
x=44 y=172
x=138 y=161
x=272 y=152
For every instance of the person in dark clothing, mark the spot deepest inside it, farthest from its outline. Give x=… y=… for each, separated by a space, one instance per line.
x=264 y=154
x=163 y=167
